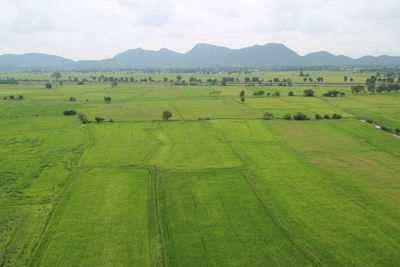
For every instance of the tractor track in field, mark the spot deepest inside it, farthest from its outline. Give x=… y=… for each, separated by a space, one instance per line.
x=35 y=256
x=156 y=222
x=301 y=246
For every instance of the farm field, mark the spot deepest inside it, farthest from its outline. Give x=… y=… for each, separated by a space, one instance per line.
x=215 y=185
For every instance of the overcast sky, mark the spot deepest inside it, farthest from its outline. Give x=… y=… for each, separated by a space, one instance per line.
x=96 y=29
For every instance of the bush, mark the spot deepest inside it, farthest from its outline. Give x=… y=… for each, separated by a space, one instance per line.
x=397 y=131
x=333 y=93
x=318 y=117
x=287 y=116
x=48 y=85
x=326 y=117
x=82 y=118
x=166 y=115
x=300 y=116
x=69 y=112
x=370 y=121
x=268 y=116
x=383 y=128
x=336 y=116
x=291 y=93
x=309 y=92
x=99 y=119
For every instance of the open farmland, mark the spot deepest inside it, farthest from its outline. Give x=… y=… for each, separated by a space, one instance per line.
x=228 y=189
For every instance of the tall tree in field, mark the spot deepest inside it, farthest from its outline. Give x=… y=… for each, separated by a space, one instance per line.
x=56 y=75
x=166 y=115
x=345 y=78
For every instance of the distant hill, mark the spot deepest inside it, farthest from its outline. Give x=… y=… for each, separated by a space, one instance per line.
x=35 y=60
x=201 y=55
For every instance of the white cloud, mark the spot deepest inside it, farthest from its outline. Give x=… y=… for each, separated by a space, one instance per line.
x=93 y=29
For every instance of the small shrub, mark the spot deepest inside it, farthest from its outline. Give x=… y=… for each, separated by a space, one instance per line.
x=397 y=131
x=111 y=120
x=48 y=85
x=326 y=117
x=99 y=119
x=308 y=93
x=277 y=94
x=166 y=115
x=318 y=117
x=82 y=118
x=291 y=93
x=69 y=112
x=268 y=116
x=300 y=116
x=287 y=116
x=336 y=116
x=383 y=128
x=370 y=121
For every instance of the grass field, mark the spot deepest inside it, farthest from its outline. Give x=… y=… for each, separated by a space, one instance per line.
x=232 y=190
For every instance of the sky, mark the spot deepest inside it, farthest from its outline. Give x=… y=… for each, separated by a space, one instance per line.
x=98 y=29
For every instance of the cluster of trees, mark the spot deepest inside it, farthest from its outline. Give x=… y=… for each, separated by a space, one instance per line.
x=380 y=89
x=308 y=93
x=333 y=93
x=302 y=74
x=8 y=81
x=335 y=116
x=301 y=116
x=310 y=79
x=11 y=97
x=242 y=96
x=262 y=93
x=384 y=128
x=346 y=78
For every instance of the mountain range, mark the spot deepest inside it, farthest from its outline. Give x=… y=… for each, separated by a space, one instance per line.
x=200 y=56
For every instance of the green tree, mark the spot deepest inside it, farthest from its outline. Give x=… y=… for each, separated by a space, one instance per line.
x=48 y=85
x=308 y=92
x=82 y=118
x=287 y=116
x=300 y=116
x=166 y=115
x=268 y=116
x=99 y=119
x=56 y=75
